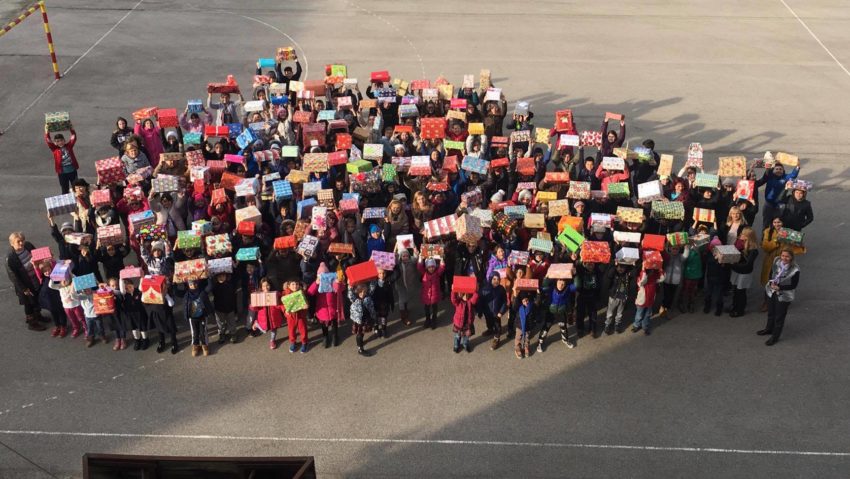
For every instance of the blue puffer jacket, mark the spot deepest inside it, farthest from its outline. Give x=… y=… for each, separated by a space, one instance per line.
x=775 y=184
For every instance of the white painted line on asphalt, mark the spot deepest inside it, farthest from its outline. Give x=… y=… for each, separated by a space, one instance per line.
x=815 y=37
x=446 y=442
x=306 y=61
x=52 y=84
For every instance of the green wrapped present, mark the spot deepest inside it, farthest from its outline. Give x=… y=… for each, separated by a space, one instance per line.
x=188 y=240
x=571 y=238
x=668 y=210
x=539 y=244
x=294 y=302
x=706 y=180
x=248 y=254
x=358 y=166
x=57 y=121
x=618 y=190
x=787 y=235
x=677 y=239
x=389 y=173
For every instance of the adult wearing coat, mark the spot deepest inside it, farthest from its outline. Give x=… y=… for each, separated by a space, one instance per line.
x=780 y=289
x=22 y=274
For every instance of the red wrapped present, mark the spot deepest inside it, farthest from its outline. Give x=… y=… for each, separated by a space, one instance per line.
x=526 y=284
x=382 y=76
x=110 y=235
x=217 y=168
x=595 y=252
x=302 y=116
x=167 y=118
x=556 y=177
x=152 y=288
x=337 y=158
x=313 y=134
x=343 y=141
x=104 y=302
x=652 y=260
x=41 y=254
x=190 y=270
x=362 y=272
x=433 y=128
x=246 y=228
x=219 y=196
x=212 y=130
x=100 y=198
x=195 y=158
x=440 y=227
x=431 y=250
x=500 y=141
x=525 y=166
x=500 y=163
x=579 y=190
x=745 y=190
x=465 y=284
x=229 y=86
x=144 y=113
x=230 y=180
x=564 y=120
x=590 y=138
x=284 y=242
x=653 y=242
x=341 y=248
x=110 y=171
x=349 y=206
x=458 y=103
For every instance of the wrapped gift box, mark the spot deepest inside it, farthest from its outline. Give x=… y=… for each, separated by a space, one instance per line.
x=700 y=239
x=153 y=289
x=475 y=165
x=374 y=213
x=343 y=141
x=358 y=166
x=110 y=235
x=574 y=222
x=560 y=271
x=516 y=211
x=539 y=244
x=167 y=118
x=230 y=180
x=563 y=120
x=326 y=282
x=190 y=270
x=200 y=173
x=373 y=151
x=579 y=190
x=325 y=197
x=571 y=238
x=627 y=255
x=202 y=227
x=787 y=235
x=665 y=165
x=284 y=242
x=361 y=272
x=304 y=208
x=130 y=272
x=464 y=284
x=248 y=254
x=613 y=163
x=104 y=302
x=61 y=204
x=568 y=140
x=142 y=218
x=246 y=228
x=249 y=213
x=704 y=215
x=592 y=139
x=195 y=106
x=559 y=208
x=84 y=282
x=484 y=215
x=219 y=196
x=518 y=258
x=677 y=239
x=307 y=246
x=650 y=191
x=500 y=163
x=253 y=105
x=216 y=131
x=383 y=260
x=110 y=171
x=389 y=173
x=476 y=128
x=625 y=153
x=294 y=302
x=541 y=135
x=315 y=162
x=732 y=166
x=61 y=272
x=706 y=180
x=100 y=198
x=629 y=215
x=341 y=248
x=311 y=189
x=787 y=159
x=188 y=240
x=473 y=197
x=654 y=242
x=432 y=128
x=652 y=260
x=726 y=254
x=526 y=166
x=503 y=223
x=420 y=166
x=627 y=237
x=349 y=206
x=227 y=87
x=247 y=187
x=313 y=134
x=264 y=299
x=527 y=284
x=618 y=190
x=432 y=250
x=195 y=158
x=78 y=238
x=796 y=184
x=468 y=229
x=644 y=154
x=668 y=210
x=440 y=227
x=41 y=254
x=151 y=232
x=282 y=189
x=191 y=138
x=297 y=177
x=57 y=121
x=218 y=245
x=602 y=219
x=165 y=184
x=453 y=145
x=246 y=138
x=337 y=158
x=595 y=252
x=534 y=220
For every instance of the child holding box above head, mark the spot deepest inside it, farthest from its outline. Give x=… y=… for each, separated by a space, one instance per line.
x=462 y=321
x=64 y=160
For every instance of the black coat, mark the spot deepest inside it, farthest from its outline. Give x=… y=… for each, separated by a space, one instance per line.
x=797 y=214
x=19 y=277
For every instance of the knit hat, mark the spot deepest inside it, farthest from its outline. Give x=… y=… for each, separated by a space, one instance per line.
x=274 y=145
x=498 y=196
x=579 y=202
x=729 y=182
x=525 y=195
x=158 y=245
x=171 y=134
x=430 y=262
x=374 y=229
x=67 y=226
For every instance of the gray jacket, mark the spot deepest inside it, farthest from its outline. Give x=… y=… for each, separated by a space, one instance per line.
x=787 y=281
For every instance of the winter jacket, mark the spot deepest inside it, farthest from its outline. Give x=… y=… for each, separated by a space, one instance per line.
x=797 y=214
x=647 y=287
x=464 y=313
x=787 y=281
x=673 y=265
x=772 y=247
x=362 y=310
x=224 y=295
x=57 y=152
x=430 y=293
x=326 y=303
x=152 y=141
x=748 y=261
x=269 y=317
x=775 y=185
x=693 y=264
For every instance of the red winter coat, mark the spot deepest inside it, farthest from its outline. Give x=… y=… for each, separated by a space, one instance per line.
x=430 y=283
x=269 y=317
x=464 y=312
x=647 y=288
x=57 y=152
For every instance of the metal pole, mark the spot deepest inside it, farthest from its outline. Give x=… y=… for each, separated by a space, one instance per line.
x=29 y=11
x=49 y=39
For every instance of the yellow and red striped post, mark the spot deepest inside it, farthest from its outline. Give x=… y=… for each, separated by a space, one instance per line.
x=39 y=5
x=49 y=39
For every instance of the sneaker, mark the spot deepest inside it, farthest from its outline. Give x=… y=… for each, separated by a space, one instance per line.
x=363 y=352
x=146 y=342
x=571 y=344
x=123 y=344
x=272 y=344
x=494 y=344
x=222 y=338
x=539 y=347
x=456 y=348
x=609 y=330
x=292 y=348
x=175 y=348
x=518 y=353
x=303 y=348
x=55 y=331
x=89 y=342
x=234 y=338
x=636 y=329
x=117 y=345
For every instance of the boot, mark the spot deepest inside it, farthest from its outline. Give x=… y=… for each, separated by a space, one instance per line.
x=137 y=344
x=89 y=341
x=205 y=349
x=33 y=324
x=360 y=350
x=336 y=337
x=161 y=346
x=196 y=350
x=123 y=344
x=174 y=346
x=496 y=341
x=327 y=340
x=63 y=331
x=405 y=317
x=105 y=338
x=146 y=342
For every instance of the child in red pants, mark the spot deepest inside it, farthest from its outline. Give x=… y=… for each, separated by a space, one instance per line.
x=296 y=321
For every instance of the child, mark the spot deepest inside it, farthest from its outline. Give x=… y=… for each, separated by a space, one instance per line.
x=112 y=320
x=64 y=160
x=162 y=317
x=197 y=308
x=617 y=280
x=94 y=324
x=463 y=319
x=327 y=308
x=375 y=242
x=71 y=303
x=493 y=304
x=112 y=259
x=268 y=318
x=50 y=299
x=384 y=301
x=691 y=275
x=647 y=282
x=251 y=276
x=716 y=280
x=224 y=306
x=296 y=321
x=362 y=312
x=430 y=293
x=525 y=315
x=587 y=285
x=560 y=308
x=133 y=315
x=673 y=266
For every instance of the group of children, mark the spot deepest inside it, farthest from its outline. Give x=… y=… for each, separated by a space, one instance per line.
x=312 y=203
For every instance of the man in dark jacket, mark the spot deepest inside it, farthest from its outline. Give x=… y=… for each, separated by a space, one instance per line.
x=797 y=213
x=22 y=274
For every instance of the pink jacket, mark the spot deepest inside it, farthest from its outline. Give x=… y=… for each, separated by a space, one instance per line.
x=326 y=303
x=152 y=141
x=430 y=283
x=608 y=177
x=464 y=312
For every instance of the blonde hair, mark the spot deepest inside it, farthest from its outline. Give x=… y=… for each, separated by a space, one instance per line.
x=750 y=241
x=17 y=235
x=729 y=216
